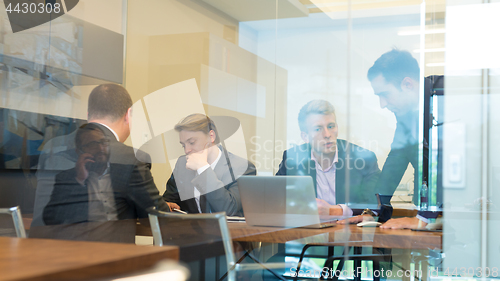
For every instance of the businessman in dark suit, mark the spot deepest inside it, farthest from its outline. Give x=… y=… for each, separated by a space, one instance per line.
x=204 y=180
x=108 y=183
x=326 y=159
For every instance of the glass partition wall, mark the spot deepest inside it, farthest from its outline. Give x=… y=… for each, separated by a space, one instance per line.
x=261 y=62
x=470 y=173
x=368 y=76
x=50 y=61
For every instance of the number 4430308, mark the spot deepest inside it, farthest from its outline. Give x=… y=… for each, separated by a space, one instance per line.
x=471 y=271
x=33 y=8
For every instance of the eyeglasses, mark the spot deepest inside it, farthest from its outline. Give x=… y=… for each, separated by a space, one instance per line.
x=94 y=145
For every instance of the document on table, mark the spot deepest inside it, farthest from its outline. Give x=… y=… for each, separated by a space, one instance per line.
x=229 y=218
x=235 y=219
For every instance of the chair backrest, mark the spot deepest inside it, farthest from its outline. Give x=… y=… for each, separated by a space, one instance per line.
x=11 y=222
x=194 y=234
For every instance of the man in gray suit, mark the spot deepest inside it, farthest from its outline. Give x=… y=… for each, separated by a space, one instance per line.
x=204 y=180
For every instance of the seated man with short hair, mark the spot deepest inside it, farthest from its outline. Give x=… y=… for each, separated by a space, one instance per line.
x=326 y=158
x=204 y=180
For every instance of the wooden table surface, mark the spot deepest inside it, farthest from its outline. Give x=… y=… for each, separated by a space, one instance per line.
x=44 y=259
x=372 y=236
x=397 y=212
x=369 y=236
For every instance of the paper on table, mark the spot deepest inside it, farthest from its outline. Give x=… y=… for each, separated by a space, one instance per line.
x=235 y=219
x=229 y=218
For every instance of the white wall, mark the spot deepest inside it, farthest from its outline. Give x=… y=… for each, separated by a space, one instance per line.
x=471 y=99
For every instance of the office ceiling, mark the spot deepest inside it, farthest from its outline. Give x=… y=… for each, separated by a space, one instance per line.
x=252 y=10
x=255 y=10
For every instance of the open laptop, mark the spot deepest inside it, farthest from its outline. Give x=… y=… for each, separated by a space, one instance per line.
x=281 y=201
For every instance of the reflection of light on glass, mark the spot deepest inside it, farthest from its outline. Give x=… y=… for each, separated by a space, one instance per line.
x=157 y=276
x=417 y=32
x=160 y=276
x=292 y=203
x=471 y=43
x=312 y=205
x=231 y=92
x=432 y=50
x=432 y=64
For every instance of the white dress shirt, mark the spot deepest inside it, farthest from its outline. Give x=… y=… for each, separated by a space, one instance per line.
x=325 y=183
x=112 y=131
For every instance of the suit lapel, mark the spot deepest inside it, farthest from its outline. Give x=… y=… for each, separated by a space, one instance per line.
x=184 y=183
x=220 y=168
x=192 y=207
x=307 y=167
x=222 y=165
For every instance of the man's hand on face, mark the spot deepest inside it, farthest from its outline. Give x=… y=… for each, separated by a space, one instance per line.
x=401 y=223
x=325 y=209
x=196 y=160
x=81 y=170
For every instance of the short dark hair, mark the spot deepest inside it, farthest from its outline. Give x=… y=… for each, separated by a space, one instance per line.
x=84 y=129
x=108 y=101
x=394 y=66
x=198 y=123
x=314 y=107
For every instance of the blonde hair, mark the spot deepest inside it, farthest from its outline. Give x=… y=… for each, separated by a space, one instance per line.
x=314 y=107
x=198 y=123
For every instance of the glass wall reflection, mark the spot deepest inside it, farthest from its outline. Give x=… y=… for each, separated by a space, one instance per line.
x=395 y=98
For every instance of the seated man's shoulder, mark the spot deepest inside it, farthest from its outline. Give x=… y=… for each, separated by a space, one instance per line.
x=124 y=154
x=238 y=160
x=299 y=151
x=240 y=164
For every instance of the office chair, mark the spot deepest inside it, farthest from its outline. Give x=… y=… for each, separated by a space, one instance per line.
x=11 y=218
x=201 y=233
x=378 y=255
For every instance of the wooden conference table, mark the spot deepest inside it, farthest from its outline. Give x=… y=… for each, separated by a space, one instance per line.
x=45 y=259
x=351 y=234
x=382 y=238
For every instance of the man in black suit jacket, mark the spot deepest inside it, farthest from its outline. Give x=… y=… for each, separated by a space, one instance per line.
x=326 y=159
x=108 y=182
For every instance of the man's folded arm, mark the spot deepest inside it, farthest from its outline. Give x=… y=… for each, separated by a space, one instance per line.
x=143 y=190
x=221 y=197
